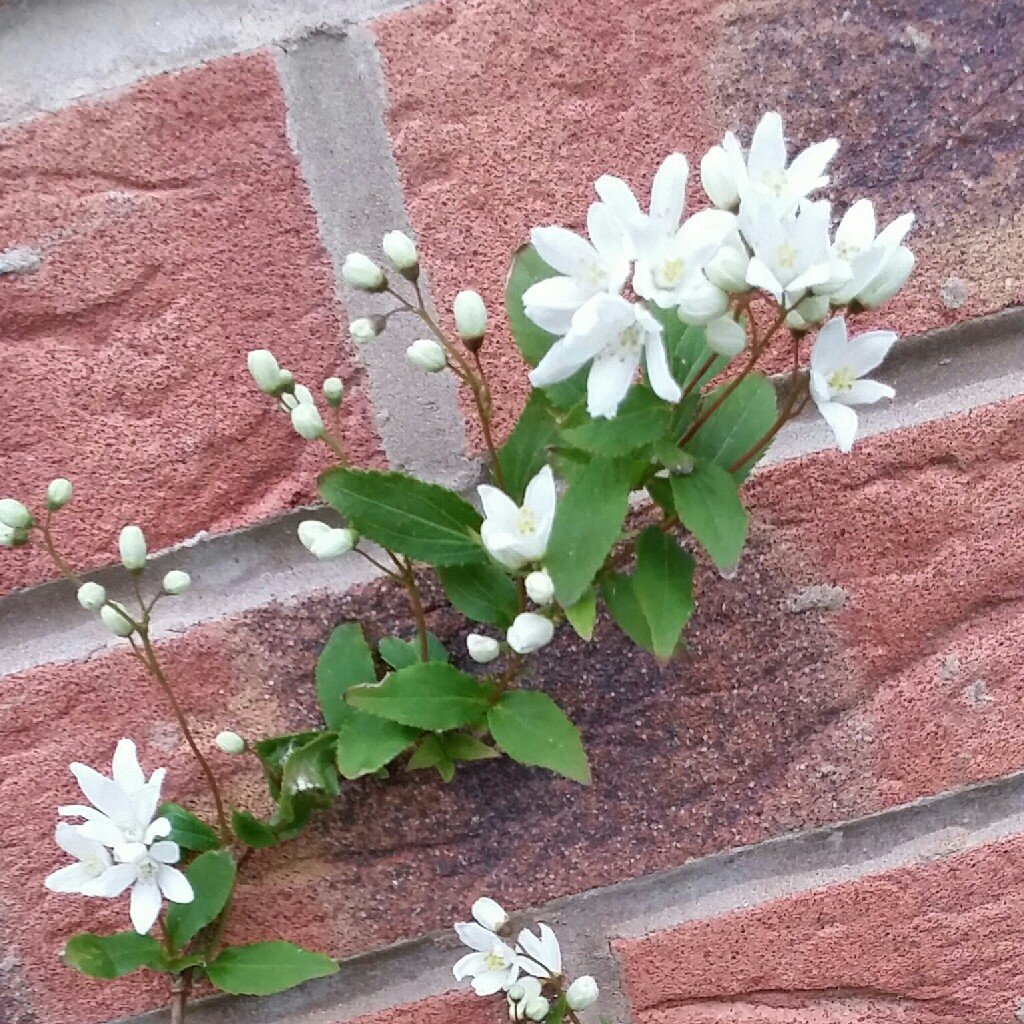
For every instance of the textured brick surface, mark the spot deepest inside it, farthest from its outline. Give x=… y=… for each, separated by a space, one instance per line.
x=504 y=113
x=931 y=944
x=176 y=234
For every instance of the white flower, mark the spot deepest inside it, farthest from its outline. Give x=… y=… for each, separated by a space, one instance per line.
x=582 y=993
x=147 y=870
x=176 y=582
x=92 y=596
x=492 y=965
x=482 y=649
x=427 y=355
x=540 y=588
x=889 y=280
x=265 y=371
x=361 y=272
x=230 y=742
x=541 y=957
x=837 y=366
x=725 y=337
x=401 y=250
x=307 y=421
x=58 y=494
x=132 y=547
x=92 y=857
x=516 y=535
x=470 y=315
x=792 y=252
x=489 y=913
x=872 y=258
x=116 y=621
x=613 y=335
x=529 y=632
x=14 y=515
x=586 y=268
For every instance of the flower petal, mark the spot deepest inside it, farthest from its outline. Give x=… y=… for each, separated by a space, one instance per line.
x=865 y=392
x=487 y=983
x=857 y=228
x=72 y=878
x=866 y=351
x=102 y=830
x=158 y=828
x=499 y=509
x=467 y=966
x=174 y=885
x=893 y=234
x=476 y=936
x=165 y=851
x=113 y=881
x=830 y=347
x=668 y=193
x=540 y=497
x=611 y=241
x=759 y=275
x=843 y=421
x=565 y=251
x=767 y=147
x=808 y=168
x=70 y=840
x=144 y=907
x=102 y=793
x=658 y=371
x=608 y=382
x=127 y=771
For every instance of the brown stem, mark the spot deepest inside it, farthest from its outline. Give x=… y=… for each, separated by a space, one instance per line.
x=408 y=578
x=180 y=986
x=485 y=410
x=335 y=446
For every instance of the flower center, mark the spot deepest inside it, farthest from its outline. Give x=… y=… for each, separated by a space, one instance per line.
x=669 y=272
x=775 y=182
x=841 y=379
x=786 y=255
x=595 y=275
x=628 y=342
x=146 y=870
x=495 y=961
x=526 y=523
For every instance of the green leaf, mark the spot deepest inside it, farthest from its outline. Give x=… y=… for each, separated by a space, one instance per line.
x=625 y=608
x=400 y=653
x=527 y=269
x=309 y=782
x=428 y=696
x=274 y=751
x=642 y=419
x=267 y=967
x=583 y=614
x=737 y=425
x=525 y=451
x=188 y=831
x=558 y=1010
x=366 y=743
x=708 y=504
x=212 y=875
x=345 y=660
x=431 y=754
x=422 y=521
x=663 y=586
x=483 y=593
x=532 y=729
x=113 y=956
x=588 y=521
x=460 y=746
x=689 y=358
x=251 y=831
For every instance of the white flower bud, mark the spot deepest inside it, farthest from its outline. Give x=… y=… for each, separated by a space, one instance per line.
x=91 y=596
x=366 y=328
x=427 y=355
x=310 y=531
x=725 y=337
x=470 y=315
x=361 y=272
x=14 y=515
x=529 y=632
x=540 y=588
x=333 y=391
x=727 y=269
x=265 y=371
x=115 y=621
x=307 y=422
x=132 y=546
x=230 y=742
x=333 y=544
x=287 y=380
x=401 y=250
x=490 y=914
x=889 y=280
x=8 y=537
x=808 y=311
x=177 y=582
x=537 y=1008
x=702 y=303
x=482 y=649
x=582 y=993
x=516 y=992
x=58 y=494
x=717 y=175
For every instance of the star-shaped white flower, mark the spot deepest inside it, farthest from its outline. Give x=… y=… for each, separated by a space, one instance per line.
x=586 y=268
x=541 y=957
x=147 y=871
x=614 y=335
x=869 y=255
x=837 y=369
x=517 y=535
x=492 y=964
x=92 y=859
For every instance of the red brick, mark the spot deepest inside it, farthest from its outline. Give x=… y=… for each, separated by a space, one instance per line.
x=931 y=944
x=176 y=234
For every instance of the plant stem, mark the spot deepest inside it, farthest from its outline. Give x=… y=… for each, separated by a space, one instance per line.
x=408 y=578
x=180 y=986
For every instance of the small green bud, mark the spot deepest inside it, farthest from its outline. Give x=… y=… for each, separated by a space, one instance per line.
x=333 y=391
x=287 y=380
x=91 y=596
x=58 y=494
x=470 y=317
x=14 y=515
x=116 y=622
x=401 y=250
x=177 y=582
x=230 y=742
x=265 y=371
x=307 y=422
x=132 y=546
x=362 y=273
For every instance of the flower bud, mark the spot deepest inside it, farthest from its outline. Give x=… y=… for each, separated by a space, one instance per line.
x=361 y=272
x=333 y=391
x=727 y=269
x=401 y=250
x=470 y=316
x=529 y=632
x=132 y=546
x=91 y=596
x=8 y=537
x=482 y=649
x=702 y=303
x=333 y=544
x=537 y=1008
x=230 y=742
x=310 y=531
x=177 y=582
x=539 y=587
x=115 y=621
x=582 y=993
x=807 y=312
x=427 y=355
x=14 y=515
x=366 y=328
x=287 y=380
x=490 y=914
x=307 y=422
x=516 y=992
x=725 y=337
x=717 y=175
x=889 y=280
x=265 y=371
x=58 y=494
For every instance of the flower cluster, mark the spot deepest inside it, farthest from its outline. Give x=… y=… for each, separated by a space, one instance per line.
x=121 y=844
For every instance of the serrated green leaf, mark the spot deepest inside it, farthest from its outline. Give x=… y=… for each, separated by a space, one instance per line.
x=741 y=421
x=251 y=831
x=588 y=521
x=275 y=750
x=309 y=782
x=188 y=831
x=428 y=696
x=423 y=521
x=399 y=653
x=642 y=419
x=113 y=956
x=431 y=754
x=366 y=743
x=624 y=607
x=264 y=968
x=460 y=746
x=212 y=875
x=525 y=450
x=582 y=615
x=345 y=660
x=532 y=729
x=708 y=504
x=663 y=586
x=483 y=593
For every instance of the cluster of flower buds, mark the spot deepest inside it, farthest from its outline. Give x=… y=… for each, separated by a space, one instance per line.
x=16 y=522
x=295 y=399
x=326 y=542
